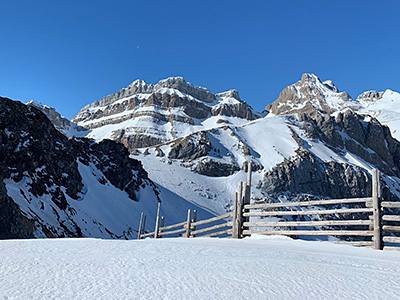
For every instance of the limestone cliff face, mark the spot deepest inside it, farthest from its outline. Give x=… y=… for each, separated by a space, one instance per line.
x=145 y=115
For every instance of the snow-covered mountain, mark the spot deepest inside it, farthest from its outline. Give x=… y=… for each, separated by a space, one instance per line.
x=193 y=143
x=52 y=186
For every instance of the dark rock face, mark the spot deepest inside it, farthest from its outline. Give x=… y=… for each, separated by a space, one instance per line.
x=30 y=147
x=191 y=147
x=213 y=168
x=350 y=132
x=239 y=110
x=307 y=175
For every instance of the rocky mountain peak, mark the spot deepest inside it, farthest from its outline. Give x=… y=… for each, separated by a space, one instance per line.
x=230 y=94
x=309 y=94
x=180 y=84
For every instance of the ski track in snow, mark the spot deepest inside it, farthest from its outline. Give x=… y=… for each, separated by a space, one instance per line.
x=202 y=268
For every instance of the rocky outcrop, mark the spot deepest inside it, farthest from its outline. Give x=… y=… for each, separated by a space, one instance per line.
x=191 y=147
x=366 y=138
x=306 y=174
x=214 y=168
x=35 y=155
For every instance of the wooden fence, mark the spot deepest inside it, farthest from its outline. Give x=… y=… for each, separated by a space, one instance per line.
x=366 y=222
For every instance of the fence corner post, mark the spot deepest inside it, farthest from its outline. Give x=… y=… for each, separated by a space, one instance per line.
x=376 y=205
x=140 y=227
x=157 y=221
x=188 y=224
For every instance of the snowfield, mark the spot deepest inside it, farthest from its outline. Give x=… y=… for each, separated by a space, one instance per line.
x=199 y=268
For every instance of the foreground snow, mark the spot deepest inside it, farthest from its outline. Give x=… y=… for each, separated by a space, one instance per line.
x=202 y=268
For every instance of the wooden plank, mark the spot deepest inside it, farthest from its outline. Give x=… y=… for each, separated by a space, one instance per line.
x=140 y=226
x=157 y=221
x=376 y=209
x=227 y=224
x=307 y=212
x=308 y=223
x=235 y=224
x=391 y=228
x=147 y=234
x=228 y=231
x=391 y=248
x=188 y=221
x=392 y=218
x=194 y=219
x=310 y=232
x=173 y=226
x=172 y=231
x=307 y=203
x=356 y=243
x=391 y=239
x=227 y=215
x=388 y=204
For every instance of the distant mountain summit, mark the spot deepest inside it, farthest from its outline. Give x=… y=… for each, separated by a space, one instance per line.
x=142 y=114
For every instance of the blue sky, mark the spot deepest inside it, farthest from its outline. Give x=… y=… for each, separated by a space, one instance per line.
x=67 y=54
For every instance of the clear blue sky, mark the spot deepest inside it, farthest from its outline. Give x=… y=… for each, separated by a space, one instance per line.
x=70 y=53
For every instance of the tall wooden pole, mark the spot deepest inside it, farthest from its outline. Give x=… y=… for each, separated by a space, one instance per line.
x=140 y=226
x=188 y=224
x=194 y=219
x=157 y=221
x=161 y=226
x=235 y=225
x=376 y=193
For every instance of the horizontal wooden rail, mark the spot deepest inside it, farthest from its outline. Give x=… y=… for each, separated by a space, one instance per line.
x=391 y=239
x=388 y=204
x=228 y=231
x=162 y=233
x=392 y=218
x=307 y=212
x=172 y=226
x=147 y=234
x=355 y=243
x=308 y=223
x=311 y=232
x=391 y=248
x=227 y=224
x=307 y=203
x=227 y=215
x=391 y=228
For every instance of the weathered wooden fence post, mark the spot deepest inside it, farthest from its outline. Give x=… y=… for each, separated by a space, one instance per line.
x=194 y=219
x=140 y=226
x=235 y=233
x=187 y=234
x=162 y=225
x=239 y=210
x=157 y=221
x=376 y=195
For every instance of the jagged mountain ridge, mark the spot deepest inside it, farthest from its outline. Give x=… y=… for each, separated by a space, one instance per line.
x=311 y=126
x=52 y=186
x=145 y=115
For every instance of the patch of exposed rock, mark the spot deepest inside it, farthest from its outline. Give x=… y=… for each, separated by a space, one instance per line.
x=191 y=147
x=214 y=168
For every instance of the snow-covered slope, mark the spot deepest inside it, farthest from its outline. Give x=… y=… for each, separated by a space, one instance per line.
x=52 y=186
x=200 y=268
x=385 y=106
